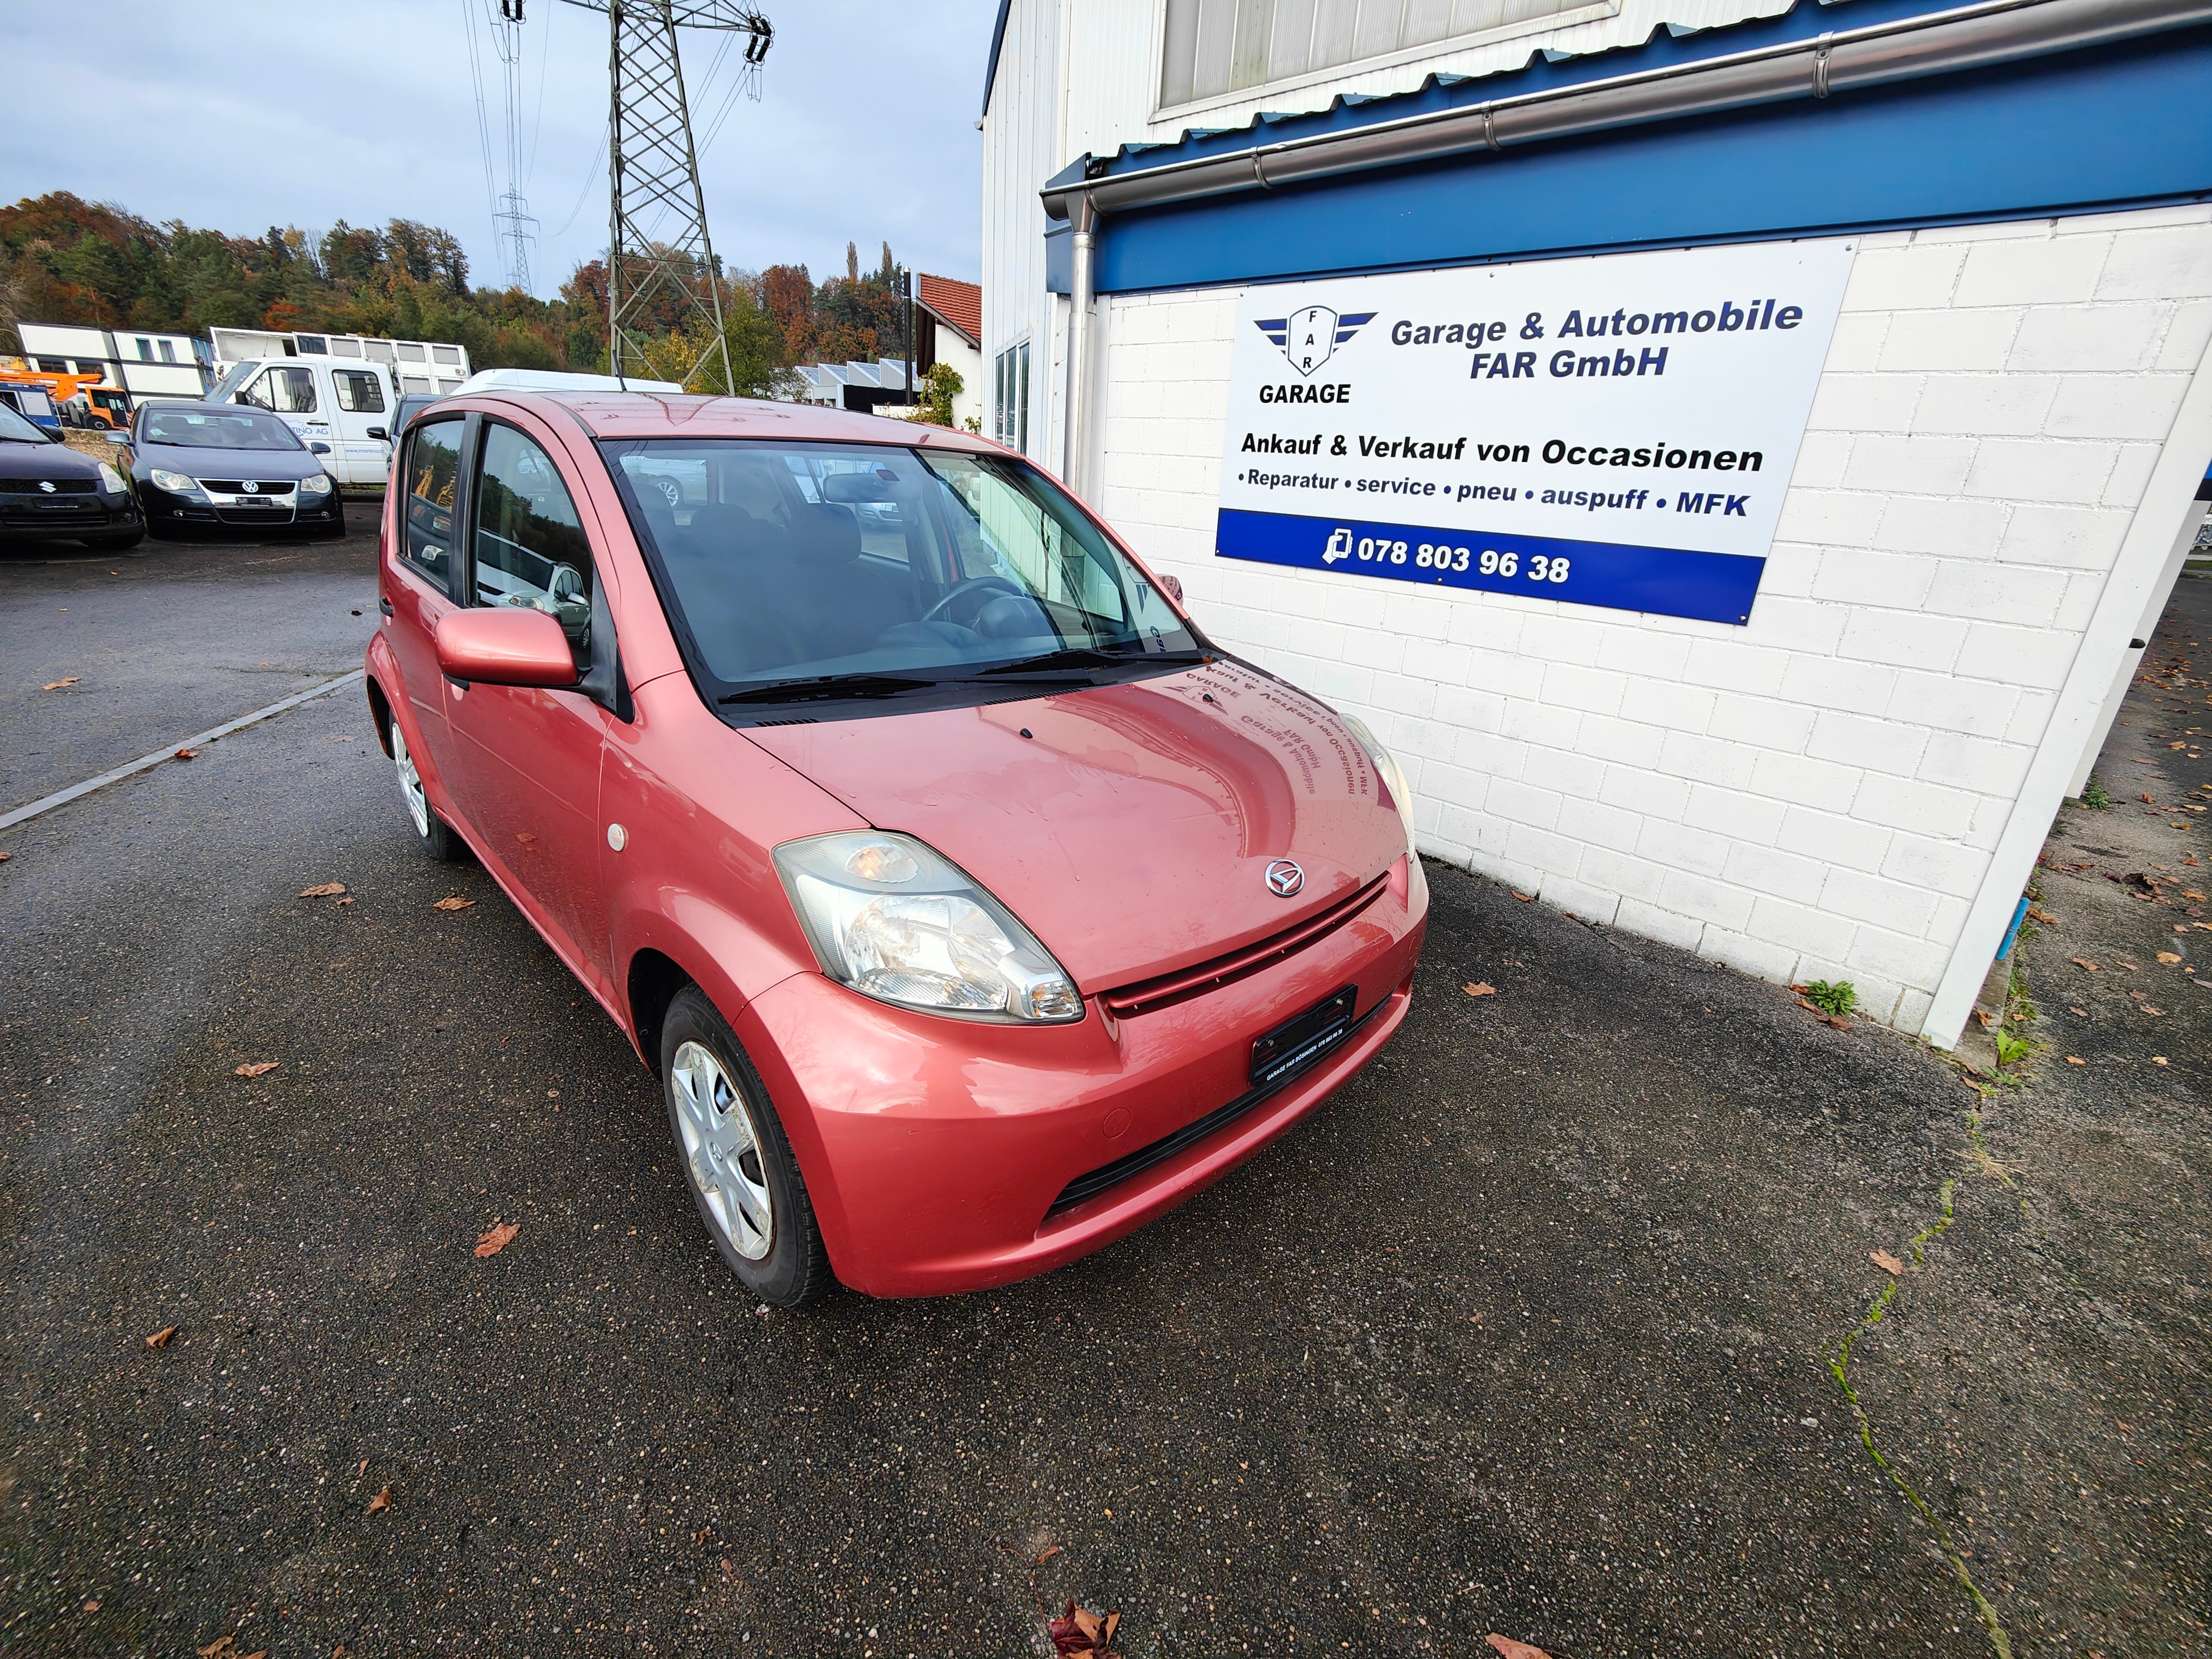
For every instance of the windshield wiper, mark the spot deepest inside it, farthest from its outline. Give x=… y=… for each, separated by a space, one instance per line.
x=829 y=685
x=1084 y=656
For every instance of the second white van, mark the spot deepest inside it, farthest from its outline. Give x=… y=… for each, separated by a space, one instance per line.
x=342 y=411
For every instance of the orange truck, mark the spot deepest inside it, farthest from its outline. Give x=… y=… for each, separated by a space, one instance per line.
x=103 y=406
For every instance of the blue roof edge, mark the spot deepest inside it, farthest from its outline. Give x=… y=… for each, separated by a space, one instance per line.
x=1668 y=45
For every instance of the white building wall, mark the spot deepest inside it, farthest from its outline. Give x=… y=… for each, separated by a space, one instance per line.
x=1022 y=147
x=1817 y=795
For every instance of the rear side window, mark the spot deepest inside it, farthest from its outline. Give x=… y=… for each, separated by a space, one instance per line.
x=530 y=545
x=360 y=393
x=433 y=474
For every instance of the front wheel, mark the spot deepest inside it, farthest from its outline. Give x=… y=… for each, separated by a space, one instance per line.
x=438 y=841
x=736 y=1159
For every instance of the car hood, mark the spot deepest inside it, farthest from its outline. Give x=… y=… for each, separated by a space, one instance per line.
x=197 y=463
x=1130 y=826
x=34 y=461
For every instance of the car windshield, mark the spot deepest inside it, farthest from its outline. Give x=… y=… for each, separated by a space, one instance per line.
x=14 y=429
x=208 y=428
x=882 y=569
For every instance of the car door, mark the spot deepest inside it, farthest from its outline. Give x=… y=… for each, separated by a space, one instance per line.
x=526 y=760
x=359 y=423
x=289 y=392
x=422 y=579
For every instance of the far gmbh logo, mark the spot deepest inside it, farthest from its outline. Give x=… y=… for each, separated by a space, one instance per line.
x=1310 y=338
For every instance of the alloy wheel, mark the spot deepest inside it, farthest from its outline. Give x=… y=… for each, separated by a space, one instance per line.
x=411 y=782
x=724 y=1151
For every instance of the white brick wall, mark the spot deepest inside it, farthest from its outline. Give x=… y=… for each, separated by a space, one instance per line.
x=1816 y=794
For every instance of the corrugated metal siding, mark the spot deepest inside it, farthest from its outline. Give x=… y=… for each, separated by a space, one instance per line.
x=1022 y=147
x=1631 y=24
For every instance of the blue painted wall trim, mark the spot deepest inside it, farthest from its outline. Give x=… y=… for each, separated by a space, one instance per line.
x=2079 y=132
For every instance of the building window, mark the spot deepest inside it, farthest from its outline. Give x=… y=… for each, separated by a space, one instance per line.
x=1216 y=46
x=1010 y=403
x=145 y=349
x=168 y=351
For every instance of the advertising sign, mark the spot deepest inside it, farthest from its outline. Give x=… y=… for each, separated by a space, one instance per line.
x=1614 y=431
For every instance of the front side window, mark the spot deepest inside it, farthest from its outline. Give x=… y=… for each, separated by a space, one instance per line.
x=804 y=572
x=530 y=549
x=360 y=393
x=433 y=474
x=284 y=391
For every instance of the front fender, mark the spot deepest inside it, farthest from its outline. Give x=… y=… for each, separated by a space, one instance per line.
x=382 y=666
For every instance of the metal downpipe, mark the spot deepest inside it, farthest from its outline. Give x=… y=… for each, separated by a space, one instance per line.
x=1073 y=426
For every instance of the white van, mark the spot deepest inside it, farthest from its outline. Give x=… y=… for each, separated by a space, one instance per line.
x=343 y=411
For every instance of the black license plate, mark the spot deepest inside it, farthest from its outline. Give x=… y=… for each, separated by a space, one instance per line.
x=1282 y=1053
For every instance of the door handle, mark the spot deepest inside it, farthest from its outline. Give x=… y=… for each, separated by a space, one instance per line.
x=384 y=604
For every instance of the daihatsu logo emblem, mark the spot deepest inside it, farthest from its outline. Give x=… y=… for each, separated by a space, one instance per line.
x=1285 y=879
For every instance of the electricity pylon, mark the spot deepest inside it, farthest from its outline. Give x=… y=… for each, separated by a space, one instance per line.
x=657 y=240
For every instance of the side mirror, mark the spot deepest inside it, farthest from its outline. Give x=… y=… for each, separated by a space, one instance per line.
x=320 y=449
x=515 y=646
x=115 y=437
x=1174 y=586
x=379 y=433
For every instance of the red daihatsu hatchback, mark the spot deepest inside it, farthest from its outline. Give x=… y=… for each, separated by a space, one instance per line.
x=970 y=907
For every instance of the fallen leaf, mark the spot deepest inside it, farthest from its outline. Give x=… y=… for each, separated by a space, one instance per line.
x=1112 y=1623
x=362 y=1470
x=2158 y=1059
x=188 y=754
x=328 y=890
x=2042 y=915
x=216 y=1648
x=2169 y=958
x=92 y=1607
x=1525 y=898
x=4 y=857
x=1510 y=1649
x=1888 y=1263
x=345 y=901
x=453 y=904
x=2079 y=963
x=161 y=1338
x=2145 y=797
x=2148 y=1009
x=56 y=685
x=1050 y=1551
x=1482 y=987
x=2186 y=893
x=382 y=1500
x=2082 y=1011
x=2076 y=1060
x=1087 y=1621
x=501 y=1236
x=257 y=1068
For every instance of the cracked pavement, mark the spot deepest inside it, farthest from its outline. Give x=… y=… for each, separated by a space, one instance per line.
x=1525 y=1331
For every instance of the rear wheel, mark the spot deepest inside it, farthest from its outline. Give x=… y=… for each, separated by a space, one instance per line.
x=736 y=1159
x=438 y=841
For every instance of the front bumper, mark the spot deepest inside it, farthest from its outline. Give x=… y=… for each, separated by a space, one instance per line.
x=240 y=511
x=34 y=517
x=934 y=1150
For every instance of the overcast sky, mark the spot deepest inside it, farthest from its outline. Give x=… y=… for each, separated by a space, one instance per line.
x=237 y=116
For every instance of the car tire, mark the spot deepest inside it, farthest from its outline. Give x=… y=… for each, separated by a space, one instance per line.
x=736 y=1159
x=437 y=836
x=114 y=543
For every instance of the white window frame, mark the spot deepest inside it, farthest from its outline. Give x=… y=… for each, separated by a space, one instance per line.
x=1595 y=12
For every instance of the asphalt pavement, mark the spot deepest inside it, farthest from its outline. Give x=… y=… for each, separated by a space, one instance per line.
x=1529 y=1330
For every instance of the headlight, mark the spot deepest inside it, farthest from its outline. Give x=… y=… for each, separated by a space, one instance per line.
x=111 y=480
x=895 y=920
x=175 y=482
x=319 y=485
x=1387 y=766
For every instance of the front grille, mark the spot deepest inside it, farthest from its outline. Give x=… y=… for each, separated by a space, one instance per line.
x=53 y=515
x=1085 y=1187
x=1167 y=989
x=31 y=489
x=281 y=486
x=277 y=512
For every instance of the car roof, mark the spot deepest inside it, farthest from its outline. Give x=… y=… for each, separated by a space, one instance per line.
x=670 y=415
